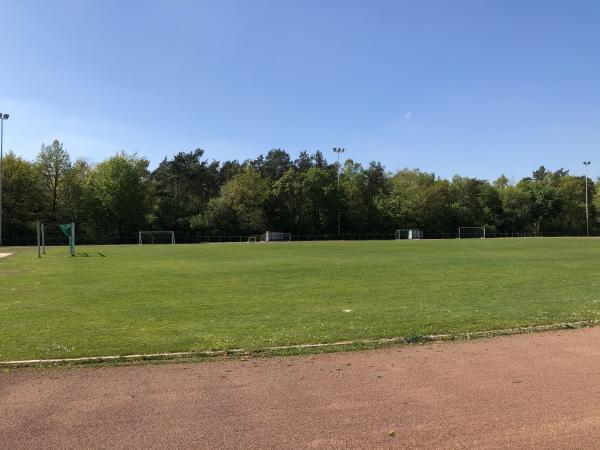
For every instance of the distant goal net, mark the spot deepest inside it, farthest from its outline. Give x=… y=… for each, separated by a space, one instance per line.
x=156 y=237
x=471 y=232
x=409 y=233
x=276 y=236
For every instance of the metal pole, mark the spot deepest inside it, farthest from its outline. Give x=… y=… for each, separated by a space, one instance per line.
x=338 y=192
x=43 y=239
x=1 y=170
x=587 y=211
x=72 y=246
x=338 y=150
x=37 y=227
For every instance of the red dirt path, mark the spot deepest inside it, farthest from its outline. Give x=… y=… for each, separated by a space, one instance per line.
x=539 y=390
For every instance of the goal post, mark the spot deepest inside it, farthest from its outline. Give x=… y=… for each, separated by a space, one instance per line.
x=42 y=229
x=409 y=233
x=68 y=229
x=276 y=236
x=156 y=237
x=38 y=234
x=471 y=232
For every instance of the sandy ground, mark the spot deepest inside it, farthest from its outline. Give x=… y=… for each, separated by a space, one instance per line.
x=4 y=255
x=528 y=391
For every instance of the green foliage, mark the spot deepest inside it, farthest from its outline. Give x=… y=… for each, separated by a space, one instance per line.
x=184 y=186
x=197 y=297
x=23 y=197
x=516 y=208
x=241 y=203
x=596 y=201
x=289 y=201
x=356 y=201
x=413 y=338
x=120 y=192
x=415 y=200
x=191 y=195
x=76 y=193
x=54 y=163
x=321 y=203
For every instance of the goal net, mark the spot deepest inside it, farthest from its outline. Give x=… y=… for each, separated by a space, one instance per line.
x=51 y=231
x=409 y=233
x=471 y=233
x=156 y=237
x=276 y=236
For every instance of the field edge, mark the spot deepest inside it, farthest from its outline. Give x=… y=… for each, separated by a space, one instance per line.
x=290 y=350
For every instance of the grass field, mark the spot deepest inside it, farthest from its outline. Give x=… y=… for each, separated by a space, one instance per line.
x=222 y=296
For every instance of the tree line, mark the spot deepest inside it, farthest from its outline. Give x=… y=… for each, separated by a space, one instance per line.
x=194 y=196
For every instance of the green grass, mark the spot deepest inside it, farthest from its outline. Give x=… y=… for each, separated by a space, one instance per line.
x=225 y=296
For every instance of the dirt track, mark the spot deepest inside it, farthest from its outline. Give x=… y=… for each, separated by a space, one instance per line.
x=538 y=390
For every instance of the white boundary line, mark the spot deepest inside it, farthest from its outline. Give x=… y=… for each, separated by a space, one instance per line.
x=240 y=351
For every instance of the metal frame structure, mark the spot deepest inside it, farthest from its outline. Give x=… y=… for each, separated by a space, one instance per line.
x=410 y=233
x=3 y=117
x=41 y=238
x=587 y=210
x=276 y=236
x=338 y=150
x=154 y=233
x=470 y=228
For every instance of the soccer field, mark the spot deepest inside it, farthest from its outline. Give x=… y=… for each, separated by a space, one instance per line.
x=223 y=296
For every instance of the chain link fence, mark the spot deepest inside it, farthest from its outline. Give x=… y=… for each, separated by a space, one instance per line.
x=55 y=237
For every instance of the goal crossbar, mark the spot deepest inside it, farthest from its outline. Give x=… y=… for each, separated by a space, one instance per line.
x=464 y=231
x=67 y=229
x=168 y=237
x=409 y=233
x=271 y=236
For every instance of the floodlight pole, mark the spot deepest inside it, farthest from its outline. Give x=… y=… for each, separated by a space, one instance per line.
x=587 y=211
x=338 y=150
x=3 y=117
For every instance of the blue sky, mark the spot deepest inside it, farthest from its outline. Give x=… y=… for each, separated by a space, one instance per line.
x=474 y=87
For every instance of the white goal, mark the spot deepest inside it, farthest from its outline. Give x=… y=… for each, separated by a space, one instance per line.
x=409 y=233
x=276 y=236
x=471 y=232
x=156 y=237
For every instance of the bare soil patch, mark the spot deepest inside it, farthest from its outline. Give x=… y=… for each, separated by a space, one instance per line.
x=537 y=390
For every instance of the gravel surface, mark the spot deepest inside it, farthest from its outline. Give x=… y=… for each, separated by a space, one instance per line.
x=528 y=391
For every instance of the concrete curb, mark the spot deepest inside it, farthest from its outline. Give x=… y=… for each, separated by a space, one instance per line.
x=266 y=350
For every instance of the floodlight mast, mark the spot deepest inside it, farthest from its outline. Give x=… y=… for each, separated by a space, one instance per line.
x=3 y=117
x=587 y=210
x=338 y=150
